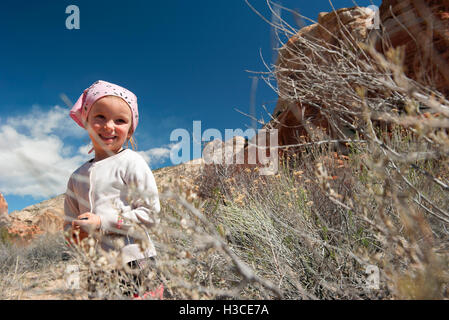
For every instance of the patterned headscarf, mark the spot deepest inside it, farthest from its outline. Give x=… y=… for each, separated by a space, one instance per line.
x=100 y=89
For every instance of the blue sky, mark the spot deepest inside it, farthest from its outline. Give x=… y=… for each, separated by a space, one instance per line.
x=185 y=60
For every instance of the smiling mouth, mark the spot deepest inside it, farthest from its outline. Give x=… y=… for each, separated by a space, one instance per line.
x=107 y=138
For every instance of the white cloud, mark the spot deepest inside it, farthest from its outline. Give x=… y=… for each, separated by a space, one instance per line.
x=33 y=157
x=38 y=123
x=156 y=156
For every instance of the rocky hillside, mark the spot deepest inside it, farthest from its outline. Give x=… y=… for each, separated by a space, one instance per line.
x=48 y=216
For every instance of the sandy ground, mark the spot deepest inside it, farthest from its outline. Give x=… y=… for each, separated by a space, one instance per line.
x=48 y=284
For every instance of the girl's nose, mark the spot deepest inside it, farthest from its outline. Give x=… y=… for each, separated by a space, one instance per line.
x=109 y=125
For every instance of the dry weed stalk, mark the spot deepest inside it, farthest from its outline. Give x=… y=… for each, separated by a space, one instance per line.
x=402 y=167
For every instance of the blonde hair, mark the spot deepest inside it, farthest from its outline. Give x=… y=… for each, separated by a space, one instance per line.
x=133 y=142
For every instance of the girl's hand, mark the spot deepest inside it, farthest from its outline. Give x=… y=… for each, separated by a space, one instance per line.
x=88 y=221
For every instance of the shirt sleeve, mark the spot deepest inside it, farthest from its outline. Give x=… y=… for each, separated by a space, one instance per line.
x=142 y=205
x=71 y=208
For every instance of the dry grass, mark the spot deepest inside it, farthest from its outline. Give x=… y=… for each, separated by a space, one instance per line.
x=26 y=268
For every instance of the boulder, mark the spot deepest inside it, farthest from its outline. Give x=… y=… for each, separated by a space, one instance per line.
x=301 y=118
x=421 y=27
x=225 y=153
x=321 y=111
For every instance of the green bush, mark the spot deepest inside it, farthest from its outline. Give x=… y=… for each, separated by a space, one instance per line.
x=5 y=237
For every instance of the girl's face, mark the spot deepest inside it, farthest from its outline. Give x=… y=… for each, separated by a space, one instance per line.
x=109 y=126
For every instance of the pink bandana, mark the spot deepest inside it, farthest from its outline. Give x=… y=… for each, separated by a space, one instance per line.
x=100 y=89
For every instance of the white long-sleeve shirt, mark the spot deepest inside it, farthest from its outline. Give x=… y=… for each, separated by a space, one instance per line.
x=122 y=191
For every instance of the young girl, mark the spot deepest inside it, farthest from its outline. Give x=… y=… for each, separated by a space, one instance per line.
x=116 y=190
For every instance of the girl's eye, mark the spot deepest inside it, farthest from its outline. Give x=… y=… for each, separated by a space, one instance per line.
x=99 y=116
x=120 y=121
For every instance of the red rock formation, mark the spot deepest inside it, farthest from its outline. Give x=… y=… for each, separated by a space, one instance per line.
x=4 y=218
x=422 y=28
x=317 y=44
x=3 y=205
x=22 y=233
x=45 y=217
x=48 y=215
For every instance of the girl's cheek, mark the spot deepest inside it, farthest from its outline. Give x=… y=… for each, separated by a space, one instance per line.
x=125 y=128
x=97 y=124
